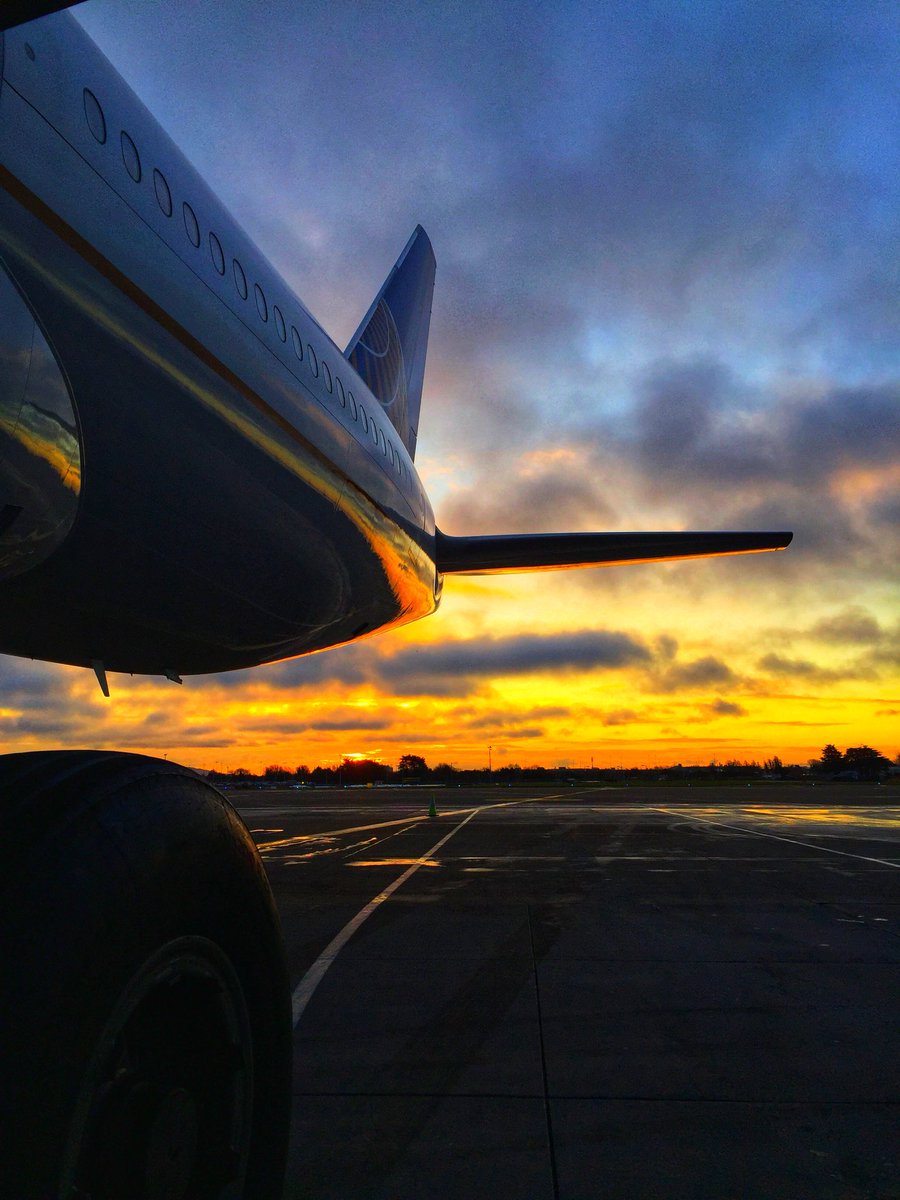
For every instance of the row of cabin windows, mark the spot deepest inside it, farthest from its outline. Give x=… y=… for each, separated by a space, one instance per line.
x=131 y=158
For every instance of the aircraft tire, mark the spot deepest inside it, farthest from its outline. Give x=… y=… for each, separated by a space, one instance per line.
x=145 y=1036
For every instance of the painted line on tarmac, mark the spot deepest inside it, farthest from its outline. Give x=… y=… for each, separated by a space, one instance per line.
x=310 y=837
x=882 y=862
x=304 y=990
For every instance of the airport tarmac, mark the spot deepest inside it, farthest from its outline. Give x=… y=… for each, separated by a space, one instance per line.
x=663 y=992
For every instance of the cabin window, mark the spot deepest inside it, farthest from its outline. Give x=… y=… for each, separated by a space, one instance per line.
x=94 y=116
x=364 y=418
x=279 y=322
x=391 y=449
x=374 y=432
x=340 y=391
x=130 y=157
x=381 y=438
x=352 y=402
x=215 y=253
x=298 y=344
x=326 y=375
x=240 y=279
x=261 y=307
x=191 y=228
x=163 y=195
x=313 y=361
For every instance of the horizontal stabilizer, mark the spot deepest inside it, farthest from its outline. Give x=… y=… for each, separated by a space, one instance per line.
x=555 y=551
x=388 y=349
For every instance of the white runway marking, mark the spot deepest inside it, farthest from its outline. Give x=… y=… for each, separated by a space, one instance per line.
x=882 y=862
x=312 y=837
x=304 y=990
x=313 y=977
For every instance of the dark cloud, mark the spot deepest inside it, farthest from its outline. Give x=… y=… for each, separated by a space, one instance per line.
x=727 y=708
x=450 y=668
x=27 y=683
x=349 y=724
x=620 y=716
x=854 y=624
x=788 y=464
x=800 y=668
x=155 y=719
x=704 y=672
x=886 y=510
x=850 y=427
x=721 y=457
x=350 y=665
x=75 y=727
x=666 y=647
x=506 y=719
x=695 y=422
x=522 y=655
x=561 y=495
x=272 y=727
x=730 y=182
x=676 y=417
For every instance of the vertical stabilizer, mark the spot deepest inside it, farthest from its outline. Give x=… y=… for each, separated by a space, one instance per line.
x=388 y=349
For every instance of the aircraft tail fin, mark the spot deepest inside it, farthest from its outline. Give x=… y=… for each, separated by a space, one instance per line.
x=388 y=349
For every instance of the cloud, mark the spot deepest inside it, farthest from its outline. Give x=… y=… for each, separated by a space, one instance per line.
x=704 y=672
x=348 y=723
x=565 y=492
x=799 y=668
x=26 y=684
x=820 y=465
x=348 y=665
x=697 y=446
x=454 y=667
x=677 y=181
x=666 y=300
x=697 y=421
x=726 y=708
x=853 y=624
x=505 y=719
x=620 y=716
x=489 y=658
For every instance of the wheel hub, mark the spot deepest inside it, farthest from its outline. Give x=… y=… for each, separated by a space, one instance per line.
x=172 y=1146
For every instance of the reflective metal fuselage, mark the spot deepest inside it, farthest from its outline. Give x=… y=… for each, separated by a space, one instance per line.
x=179 y=490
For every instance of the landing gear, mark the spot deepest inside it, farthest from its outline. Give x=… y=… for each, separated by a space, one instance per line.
x=145 y=1010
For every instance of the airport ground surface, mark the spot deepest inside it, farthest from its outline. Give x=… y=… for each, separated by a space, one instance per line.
x=634 y=993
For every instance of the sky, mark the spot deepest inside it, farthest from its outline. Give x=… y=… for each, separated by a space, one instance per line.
x=667 y=297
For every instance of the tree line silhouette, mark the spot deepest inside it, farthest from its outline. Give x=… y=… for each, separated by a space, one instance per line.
x=856 y=763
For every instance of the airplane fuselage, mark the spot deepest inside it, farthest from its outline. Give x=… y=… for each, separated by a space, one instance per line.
x=239 y=496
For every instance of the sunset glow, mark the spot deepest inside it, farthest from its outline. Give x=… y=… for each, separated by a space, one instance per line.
x=666 y=299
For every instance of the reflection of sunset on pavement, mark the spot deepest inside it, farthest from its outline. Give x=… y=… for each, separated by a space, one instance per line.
x=663 y=302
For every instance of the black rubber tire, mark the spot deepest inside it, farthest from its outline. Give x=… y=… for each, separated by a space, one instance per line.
x=109 y=865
